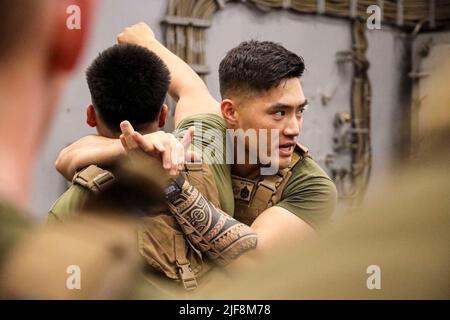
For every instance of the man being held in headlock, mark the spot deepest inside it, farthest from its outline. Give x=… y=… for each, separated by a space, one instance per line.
x=126 y=82
x=129 y=82
x=261 y=91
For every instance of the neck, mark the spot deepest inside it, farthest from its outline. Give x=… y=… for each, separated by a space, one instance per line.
x=248 y=171
x=105 y=131
x=21 y=121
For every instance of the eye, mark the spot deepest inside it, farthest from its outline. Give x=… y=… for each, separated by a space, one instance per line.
x=281 y=113
x=301 y=110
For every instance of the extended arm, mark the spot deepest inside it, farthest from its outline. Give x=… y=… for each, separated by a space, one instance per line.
x=222 y=238
x=86 y=151
x=277 y=230
x=289 y=223
x=104 y=151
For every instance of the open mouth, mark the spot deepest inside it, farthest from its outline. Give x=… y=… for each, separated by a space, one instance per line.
x=286 y=149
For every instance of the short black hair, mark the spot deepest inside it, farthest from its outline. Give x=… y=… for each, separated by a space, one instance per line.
x=257 y=66
x=128 y=82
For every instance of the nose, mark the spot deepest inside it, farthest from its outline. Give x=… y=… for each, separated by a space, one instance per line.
x=293 y=127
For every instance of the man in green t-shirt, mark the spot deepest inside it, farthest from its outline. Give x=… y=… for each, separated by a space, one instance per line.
x=139 y=99
x=261 y=91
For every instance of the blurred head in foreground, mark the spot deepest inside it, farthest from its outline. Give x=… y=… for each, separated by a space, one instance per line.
x=39 y=47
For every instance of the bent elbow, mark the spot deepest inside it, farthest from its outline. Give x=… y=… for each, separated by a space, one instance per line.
x=62 y=165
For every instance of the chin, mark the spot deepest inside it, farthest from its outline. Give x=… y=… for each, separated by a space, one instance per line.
x=284 y=162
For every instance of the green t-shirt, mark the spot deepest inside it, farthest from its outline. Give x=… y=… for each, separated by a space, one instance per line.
x=13 y=226
x=310 y=194
x=69 y=202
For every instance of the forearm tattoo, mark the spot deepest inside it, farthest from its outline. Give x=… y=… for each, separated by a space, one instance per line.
x=209 y=229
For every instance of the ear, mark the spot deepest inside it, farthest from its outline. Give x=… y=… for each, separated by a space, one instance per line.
x=163 y=115
x=228 y=108
x=91 y=116
x=71 y=29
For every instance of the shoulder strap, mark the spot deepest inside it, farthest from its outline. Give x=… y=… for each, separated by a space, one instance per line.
x=270 y=188
x=300 y=153
x=93 y=178
x=302 y=149
x=187 y=276
x=266 y=188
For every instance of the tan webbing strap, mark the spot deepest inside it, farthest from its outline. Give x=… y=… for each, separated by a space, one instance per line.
x=300 y=154
x=270 y=188
x=187 y=276
x=303 y=150
x=266 y=189
x=200 y=176
x=266 y=192
x=276 y=197
x=295 y=158
x=93 y=178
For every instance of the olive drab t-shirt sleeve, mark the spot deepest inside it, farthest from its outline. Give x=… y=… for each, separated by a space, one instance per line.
x=310 y=194
x=210 y=140
x=69 y=202
x=13 y=226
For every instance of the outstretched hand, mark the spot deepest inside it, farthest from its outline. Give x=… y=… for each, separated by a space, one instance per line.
x=172 y=152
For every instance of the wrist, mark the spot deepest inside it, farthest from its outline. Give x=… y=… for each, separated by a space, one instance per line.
x=117 y=149
x=150 y=43
x=175 y=187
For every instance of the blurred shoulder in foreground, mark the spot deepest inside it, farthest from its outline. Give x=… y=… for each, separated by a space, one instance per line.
x=95 y=254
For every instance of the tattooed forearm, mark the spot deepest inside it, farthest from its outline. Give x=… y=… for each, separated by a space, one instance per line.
x=211 y=230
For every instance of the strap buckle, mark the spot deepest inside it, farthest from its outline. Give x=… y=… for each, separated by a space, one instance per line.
x=271 y=185
x=187 y=276
x=103 y=180
x=93 y=178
